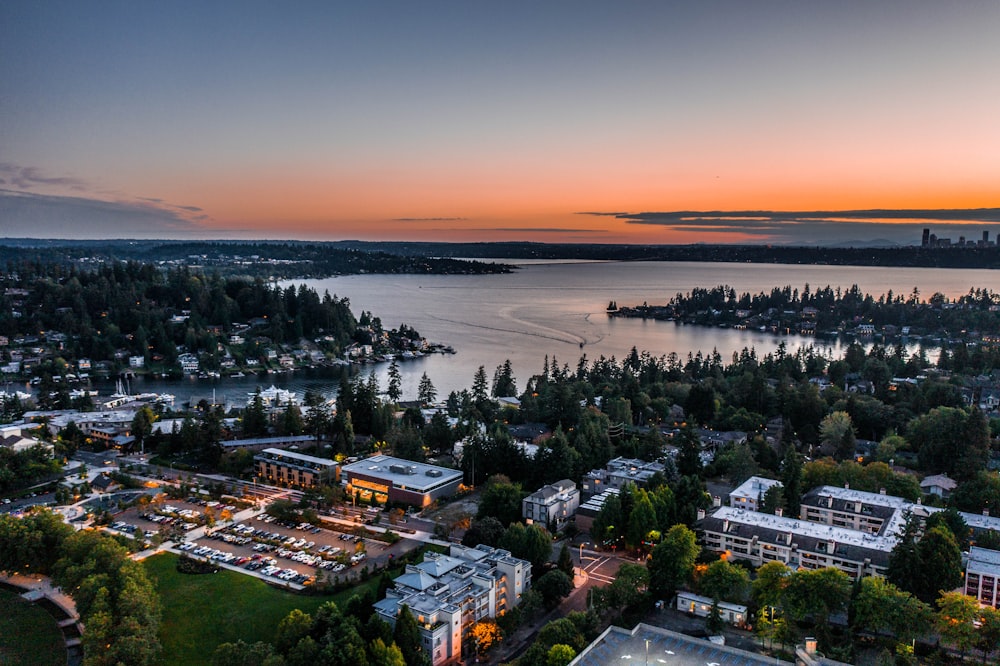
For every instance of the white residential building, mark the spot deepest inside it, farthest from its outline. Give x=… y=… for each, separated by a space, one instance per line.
x=447 y=594
x=188 y=362
x=553 y=504
x=851 y=530
x=982 y=576
x=749 y=494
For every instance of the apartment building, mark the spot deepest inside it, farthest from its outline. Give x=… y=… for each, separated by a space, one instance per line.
x=295 y=469
x=617 y=473
x=852 y=530
x=448 y=594
x=982 y=574
x=762 y=537
x=853 y=509
x=749 y=493
x=553 y=504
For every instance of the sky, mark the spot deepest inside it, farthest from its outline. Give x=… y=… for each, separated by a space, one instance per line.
x=625 y=122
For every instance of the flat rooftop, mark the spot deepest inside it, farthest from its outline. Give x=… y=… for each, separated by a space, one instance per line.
x=647 y=644
x=805 y=528
x=402 y=473
x=875 y=499
x=754 y=486
x=984 y=560
x=279 y=455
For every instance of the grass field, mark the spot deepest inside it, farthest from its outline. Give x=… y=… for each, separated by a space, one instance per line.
x=202 y=611
x=28 y=635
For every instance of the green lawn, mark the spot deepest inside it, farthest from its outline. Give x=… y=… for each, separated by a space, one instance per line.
x=202 y=611
x=28 y=635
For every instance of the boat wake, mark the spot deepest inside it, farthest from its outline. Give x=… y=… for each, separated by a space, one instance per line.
x=557 y=336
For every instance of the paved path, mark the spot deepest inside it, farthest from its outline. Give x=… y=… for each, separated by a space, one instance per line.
x=41 y=587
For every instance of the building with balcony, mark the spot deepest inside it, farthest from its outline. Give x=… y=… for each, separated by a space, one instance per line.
x=553 y=504
x=853 y=509
x=982 y=573
x=762 y=537
x=617 y=473
x=448 y=594
x=295 y=469
x=851 y=530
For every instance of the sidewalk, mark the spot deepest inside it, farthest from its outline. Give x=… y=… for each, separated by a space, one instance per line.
x=37 y=586
x=525 y=634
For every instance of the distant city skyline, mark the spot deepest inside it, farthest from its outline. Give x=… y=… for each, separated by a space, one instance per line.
x=716 y=122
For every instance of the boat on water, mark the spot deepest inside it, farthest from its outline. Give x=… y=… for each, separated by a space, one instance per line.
x=273 y=396
x=121 y=390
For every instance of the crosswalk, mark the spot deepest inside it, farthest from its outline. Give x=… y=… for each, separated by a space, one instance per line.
x=593 y=567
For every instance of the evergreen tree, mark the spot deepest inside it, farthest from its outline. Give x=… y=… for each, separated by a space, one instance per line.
x=565 y=561
x=316 y=416
x=503 y=381
x=394 y=390
x=406 y=635
x=255 y=420
x=791 y=478
x=291 y=421
x=689 y=455
x=426 y=393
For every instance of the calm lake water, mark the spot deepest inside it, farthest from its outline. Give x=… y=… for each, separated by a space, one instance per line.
x=552 y=309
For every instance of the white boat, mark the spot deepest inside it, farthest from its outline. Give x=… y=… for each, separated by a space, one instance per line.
x=273 y=396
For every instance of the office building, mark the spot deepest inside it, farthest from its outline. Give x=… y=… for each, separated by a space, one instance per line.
x=398 y=480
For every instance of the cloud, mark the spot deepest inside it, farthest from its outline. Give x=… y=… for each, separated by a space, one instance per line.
x=542 y=230
x=27 y=177
x=41 y=205
x=27 y=214
x=947 y=215
x=599 y=214
x=429 y=219
x=824 y=227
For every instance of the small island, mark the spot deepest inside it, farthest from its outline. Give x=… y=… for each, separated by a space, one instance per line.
x=970 y=318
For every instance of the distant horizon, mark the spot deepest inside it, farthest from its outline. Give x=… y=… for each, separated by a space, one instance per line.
x=836 y=228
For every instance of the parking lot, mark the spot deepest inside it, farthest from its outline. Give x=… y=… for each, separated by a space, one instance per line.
x=171 y=518
x=292 y=553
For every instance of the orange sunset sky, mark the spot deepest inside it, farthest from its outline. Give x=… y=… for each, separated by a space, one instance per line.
x=508 y=121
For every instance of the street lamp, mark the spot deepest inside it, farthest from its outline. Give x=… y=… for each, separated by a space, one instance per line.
x=585 y=543
x=647 y=652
